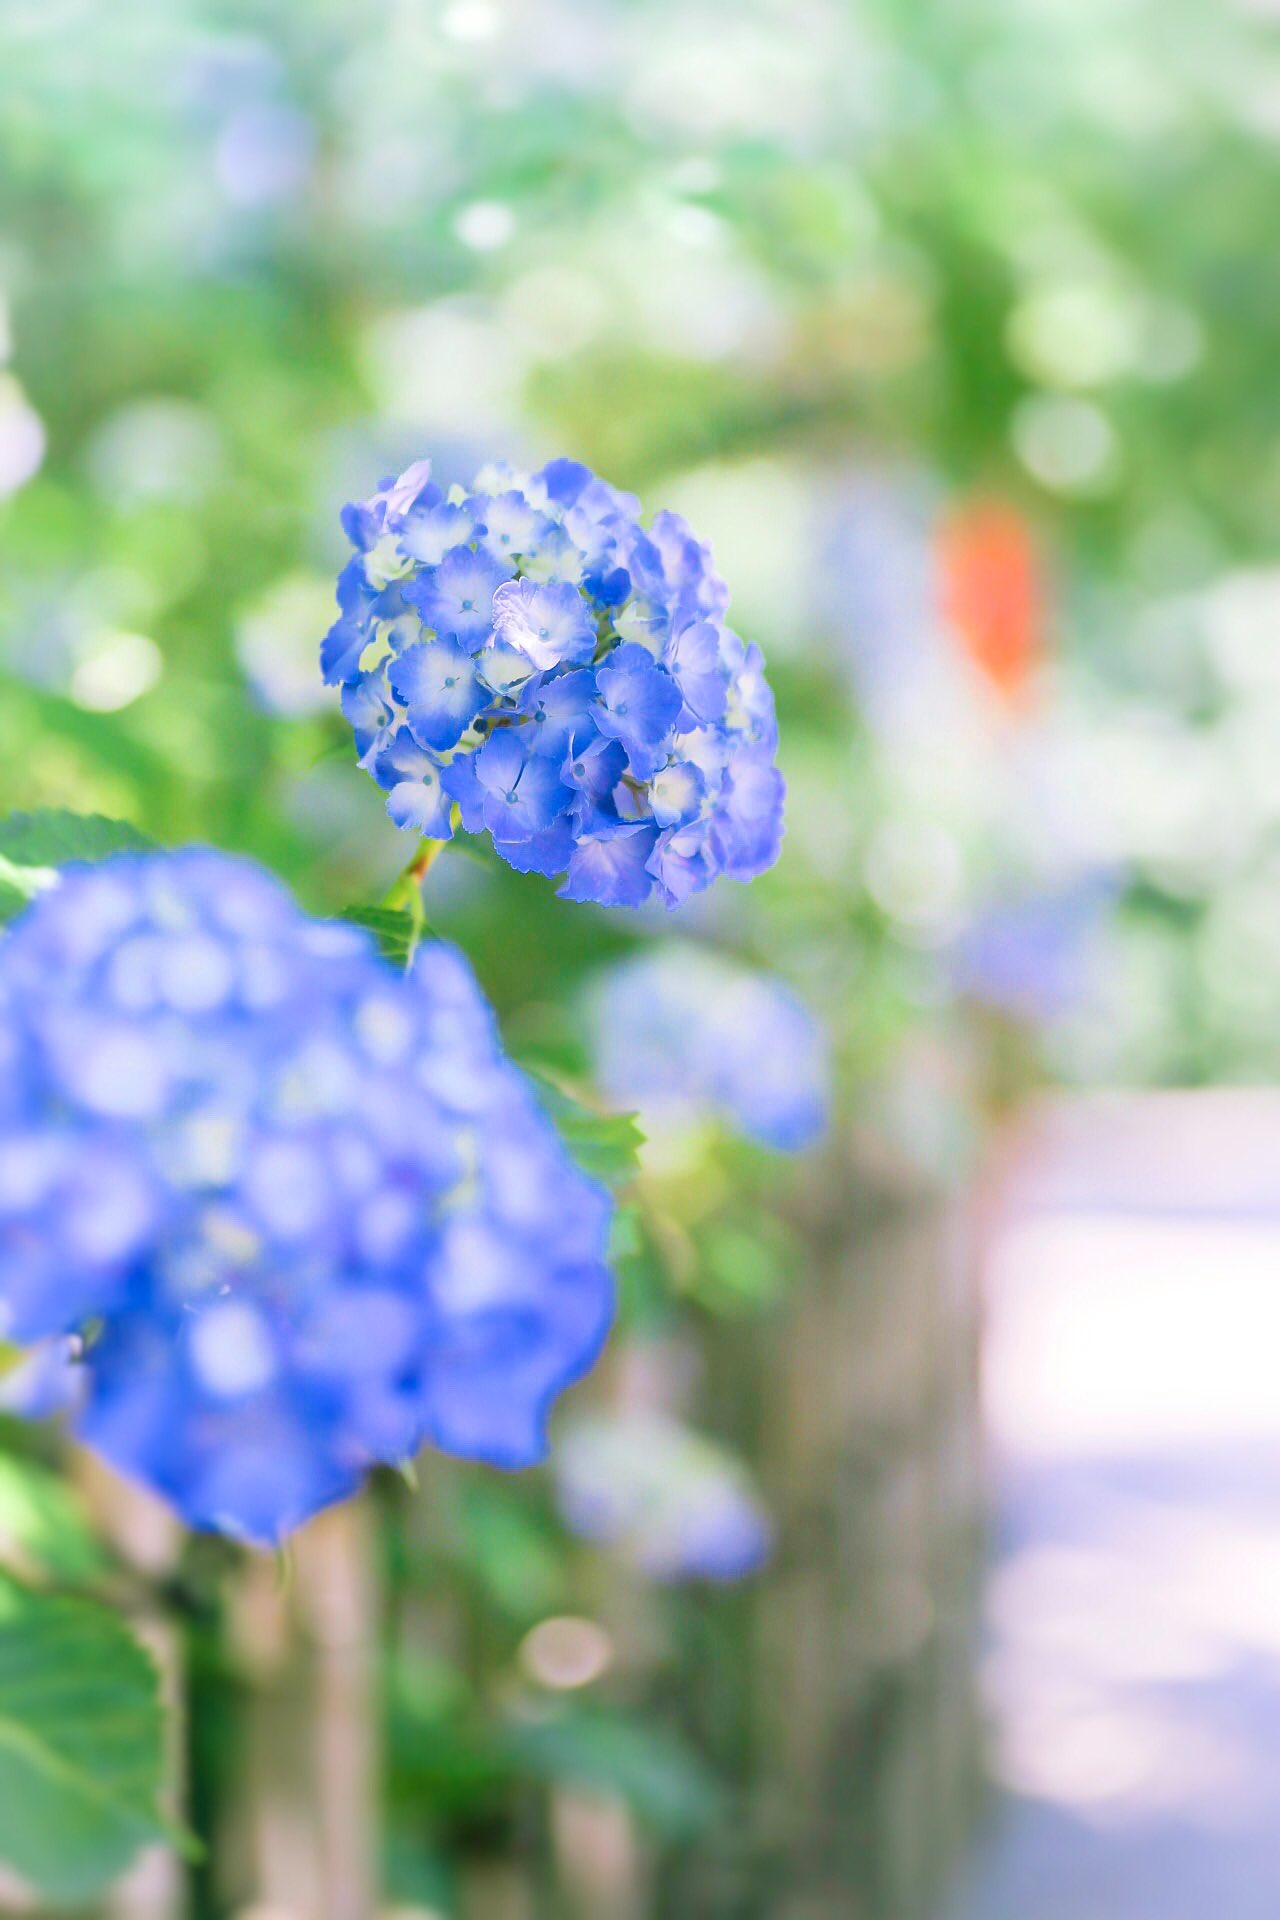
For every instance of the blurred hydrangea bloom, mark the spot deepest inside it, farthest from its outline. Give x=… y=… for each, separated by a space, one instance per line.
x=309 y=1214
x=1034 y=958
x=682 y=1031
x=529 y=654
x=679 y=1507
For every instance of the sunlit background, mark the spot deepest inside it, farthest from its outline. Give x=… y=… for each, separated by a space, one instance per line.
x=951 y=325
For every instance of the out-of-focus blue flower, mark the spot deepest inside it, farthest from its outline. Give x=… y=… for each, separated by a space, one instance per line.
x=683 y=1032
x=264 y=154
x=1030 y=958
x=537 y=612
x=677 y=1506
x=310 y=1214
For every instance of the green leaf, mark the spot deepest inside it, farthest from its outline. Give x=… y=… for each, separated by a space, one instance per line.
x=52 y=838
x=81 y=1748
x=43 y=1524
x=393 y=930
x=605 y=1145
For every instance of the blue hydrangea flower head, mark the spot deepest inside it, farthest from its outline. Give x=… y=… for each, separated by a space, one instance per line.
x=307 y=1212
x=528 y=659
x=681 y=1033
x=673 y=1503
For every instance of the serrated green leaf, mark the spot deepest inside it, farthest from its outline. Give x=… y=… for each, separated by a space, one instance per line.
x=605 y=1145
x=393 y=930
x=81 y=1743
x=50 y=837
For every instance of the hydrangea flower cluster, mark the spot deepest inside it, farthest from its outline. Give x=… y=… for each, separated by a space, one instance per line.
x=677 y=1506
x=680 y=1033
x=529 y=659
x=304 y=1211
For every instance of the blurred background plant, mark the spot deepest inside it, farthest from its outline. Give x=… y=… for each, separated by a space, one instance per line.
x=947 y=326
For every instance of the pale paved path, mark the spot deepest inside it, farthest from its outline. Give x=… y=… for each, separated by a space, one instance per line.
x=1132 y=1660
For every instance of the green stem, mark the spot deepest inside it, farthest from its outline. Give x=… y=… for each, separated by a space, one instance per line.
x=408 y=887
x=406 y=891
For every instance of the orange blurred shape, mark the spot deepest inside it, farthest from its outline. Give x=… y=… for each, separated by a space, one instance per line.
x=991 y=590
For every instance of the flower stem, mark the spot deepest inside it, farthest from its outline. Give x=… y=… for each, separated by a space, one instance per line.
x=408 y=887
x=406 y=892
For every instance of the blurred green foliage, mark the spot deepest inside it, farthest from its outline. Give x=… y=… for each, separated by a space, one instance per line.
x=252 y=254
x=764 y=262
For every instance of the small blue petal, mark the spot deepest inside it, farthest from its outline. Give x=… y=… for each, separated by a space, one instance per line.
x=694 y=659
x=429 y=532
x=459 y=781
x=610 y=868
x=559 y=709
x=523 y=791
x=362 y=523
x=369 y=713
x=547 y=851
x=564 y=480
x=552 y=625
x=639 y=705
x=457 y=596
x=437 y=684
x=595 y=770
x=340 y=651
x=675 y=794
